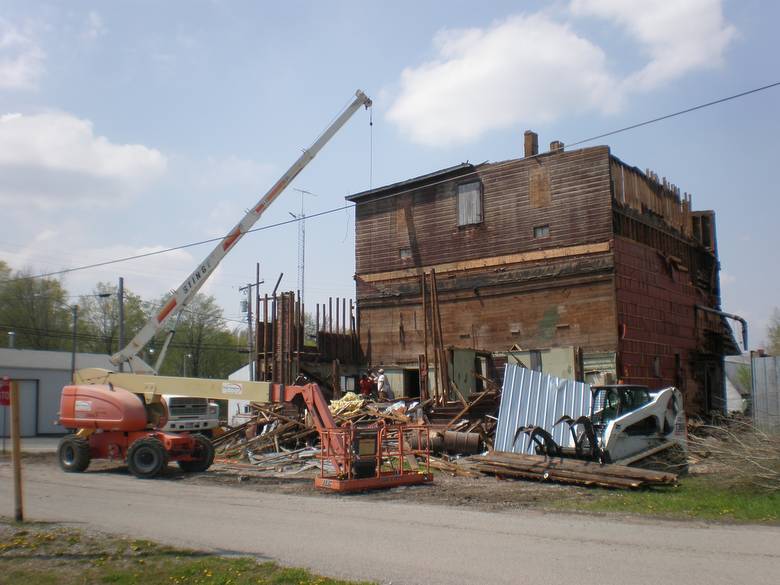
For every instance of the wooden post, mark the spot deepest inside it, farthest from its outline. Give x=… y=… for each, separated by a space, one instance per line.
x=338 y=321
x=274 y=339
x=425 y=335
x=336 y=380
x=16 y=451
x=423 y=368
x=344 y=316
x=442 y=358
x=290 y=339
x=265 y=338
x=435 y=346
x=352 y=351
x=299 y=333
x=282 y=339
x=330 y=314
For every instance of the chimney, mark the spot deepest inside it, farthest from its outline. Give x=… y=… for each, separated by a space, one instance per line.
x=531 y=143
x=556 y=146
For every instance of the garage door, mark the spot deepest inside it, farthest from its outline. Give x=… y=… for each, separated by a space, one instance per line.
x=48 y=407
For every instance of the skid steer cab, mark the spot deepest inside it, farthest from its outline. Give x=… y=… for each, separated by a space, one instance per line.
x=109 y=422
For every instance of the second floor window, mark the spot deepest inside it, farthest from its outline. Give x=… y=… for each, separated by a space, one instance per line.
x=469 y=203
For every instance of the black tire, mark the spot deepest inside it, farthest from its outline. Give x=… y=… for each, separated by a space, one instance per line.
x=73 y=454
x=204 y=451
x=146 y=458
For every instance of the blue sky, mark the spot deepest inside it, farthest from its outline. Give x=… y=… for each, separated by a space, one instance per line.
x=134 y=126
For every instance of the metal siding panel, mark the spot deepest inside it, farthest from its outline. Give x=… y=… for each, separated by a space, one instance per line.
x=766 y=393
x=28 y=406
x=532 y=398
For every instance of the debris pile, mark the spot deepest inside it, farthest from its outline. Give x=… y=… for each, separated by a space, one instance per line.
x=270 y=441
x=587 y=473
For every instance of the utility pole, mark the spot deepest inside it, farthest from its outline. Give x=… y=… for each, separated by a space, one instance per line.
x=302 y=244
x=250 y=338
x=256 y=373
x=121 y=298
x=73 y=348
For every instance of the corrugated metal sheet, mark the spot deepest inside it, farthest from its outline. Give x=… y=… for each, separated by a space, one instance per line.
x=766 y=393
x=534 y=399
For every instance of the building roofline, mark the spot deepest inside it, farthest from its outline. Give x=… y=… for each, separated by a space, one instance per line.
x=461 y=167
x=413 y=181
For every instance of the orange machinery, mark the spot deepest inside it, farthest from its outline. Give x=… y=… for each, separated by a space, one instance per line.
x=113 y=423
x=361 y=457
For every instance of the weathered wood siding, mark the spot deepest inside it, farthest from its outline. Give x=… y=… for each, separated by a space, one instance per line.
x=568 y=191
x=560 y=312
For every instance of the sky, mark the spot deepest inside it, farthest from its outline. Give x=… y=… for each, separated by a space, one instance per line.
x=129 y=127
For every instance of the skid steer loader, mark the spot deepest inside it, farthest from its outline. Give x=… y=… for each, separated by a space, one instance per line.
x=628 y=424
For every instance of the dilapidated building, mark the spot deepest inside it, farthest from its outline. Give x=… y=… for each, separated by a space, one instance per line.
x=565 y=249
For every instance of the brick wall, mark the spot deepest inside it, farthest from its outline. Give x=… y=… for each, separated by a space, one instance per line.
x=656 y=321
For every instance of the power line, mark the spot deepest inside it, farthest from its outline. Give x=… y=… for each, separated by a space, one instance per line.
x=96 y=338
x=678 y=113
x=394 y=194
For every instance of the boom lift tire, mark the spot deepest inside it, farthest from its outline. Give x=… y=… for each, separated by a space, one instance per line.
x=146 y=458
x=205 y=453
x=73 y=454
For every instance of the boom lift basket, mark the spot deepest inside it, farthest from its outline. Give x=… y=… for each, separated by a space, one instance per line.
x=376 y=456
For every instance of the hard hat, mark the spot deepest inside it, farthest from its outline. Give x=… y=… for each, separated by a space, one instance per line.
x=380 y=371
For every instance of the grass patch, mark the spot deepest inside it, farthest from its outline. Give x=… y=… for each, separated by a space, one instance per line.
x=697 y=497
x=43 y=554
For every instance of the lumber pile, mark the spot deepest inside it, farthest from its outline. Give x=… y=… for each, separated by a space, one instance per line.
x=476 y=414
x=571 y=471
x=273 y=427
x=454 y=468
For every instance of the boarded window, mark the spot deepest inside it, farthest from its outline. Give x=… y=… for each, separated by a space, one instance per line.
x=539 y=187
x=470 y=203
x=542 y=231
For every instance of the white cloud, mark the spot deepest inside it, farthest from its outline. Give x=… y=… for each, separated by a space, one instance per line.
x=94 y=26
x=55 y=159
x=534 y=68
x=21 y=59
x=524 y=69
x=678 y=37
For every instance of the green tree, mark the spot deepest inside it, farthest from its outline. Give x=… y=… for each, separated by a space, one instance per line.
x=203 y=346
x=774 y=333
x=99 y=318
x=35 y=309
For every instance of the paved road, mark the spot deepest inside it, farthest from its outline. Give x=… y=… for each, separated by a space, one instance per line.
x=393 y=542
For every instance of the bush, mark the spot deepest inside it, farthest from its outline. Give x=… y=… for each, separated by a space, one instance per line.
x=739 y=454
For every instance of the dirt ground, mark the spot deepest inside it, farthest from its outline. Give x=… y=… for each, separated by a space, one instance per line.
x=485 y=493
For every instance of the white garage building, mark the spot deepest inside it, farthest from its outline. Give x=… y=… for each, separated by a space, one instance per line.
x=41 y=376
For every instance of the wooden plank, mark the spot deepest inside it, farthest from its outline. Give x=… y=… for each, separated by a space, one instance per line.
x=495 y=261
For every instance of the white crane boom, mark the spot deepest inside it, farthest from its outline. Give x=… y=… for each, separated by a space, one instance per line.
x=194 y=281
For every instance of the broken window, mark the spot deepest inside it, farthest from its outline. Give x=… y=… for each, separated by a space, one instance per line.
x=405 y=254
x=542 y=231
x=469 y=203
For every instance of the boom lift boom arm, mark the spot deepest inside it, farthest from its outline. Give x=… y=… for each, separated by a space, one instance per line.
x=186 y=291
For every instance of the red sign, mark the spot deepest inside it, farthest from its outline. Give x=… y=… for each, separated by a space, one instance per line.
x=5 y=392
